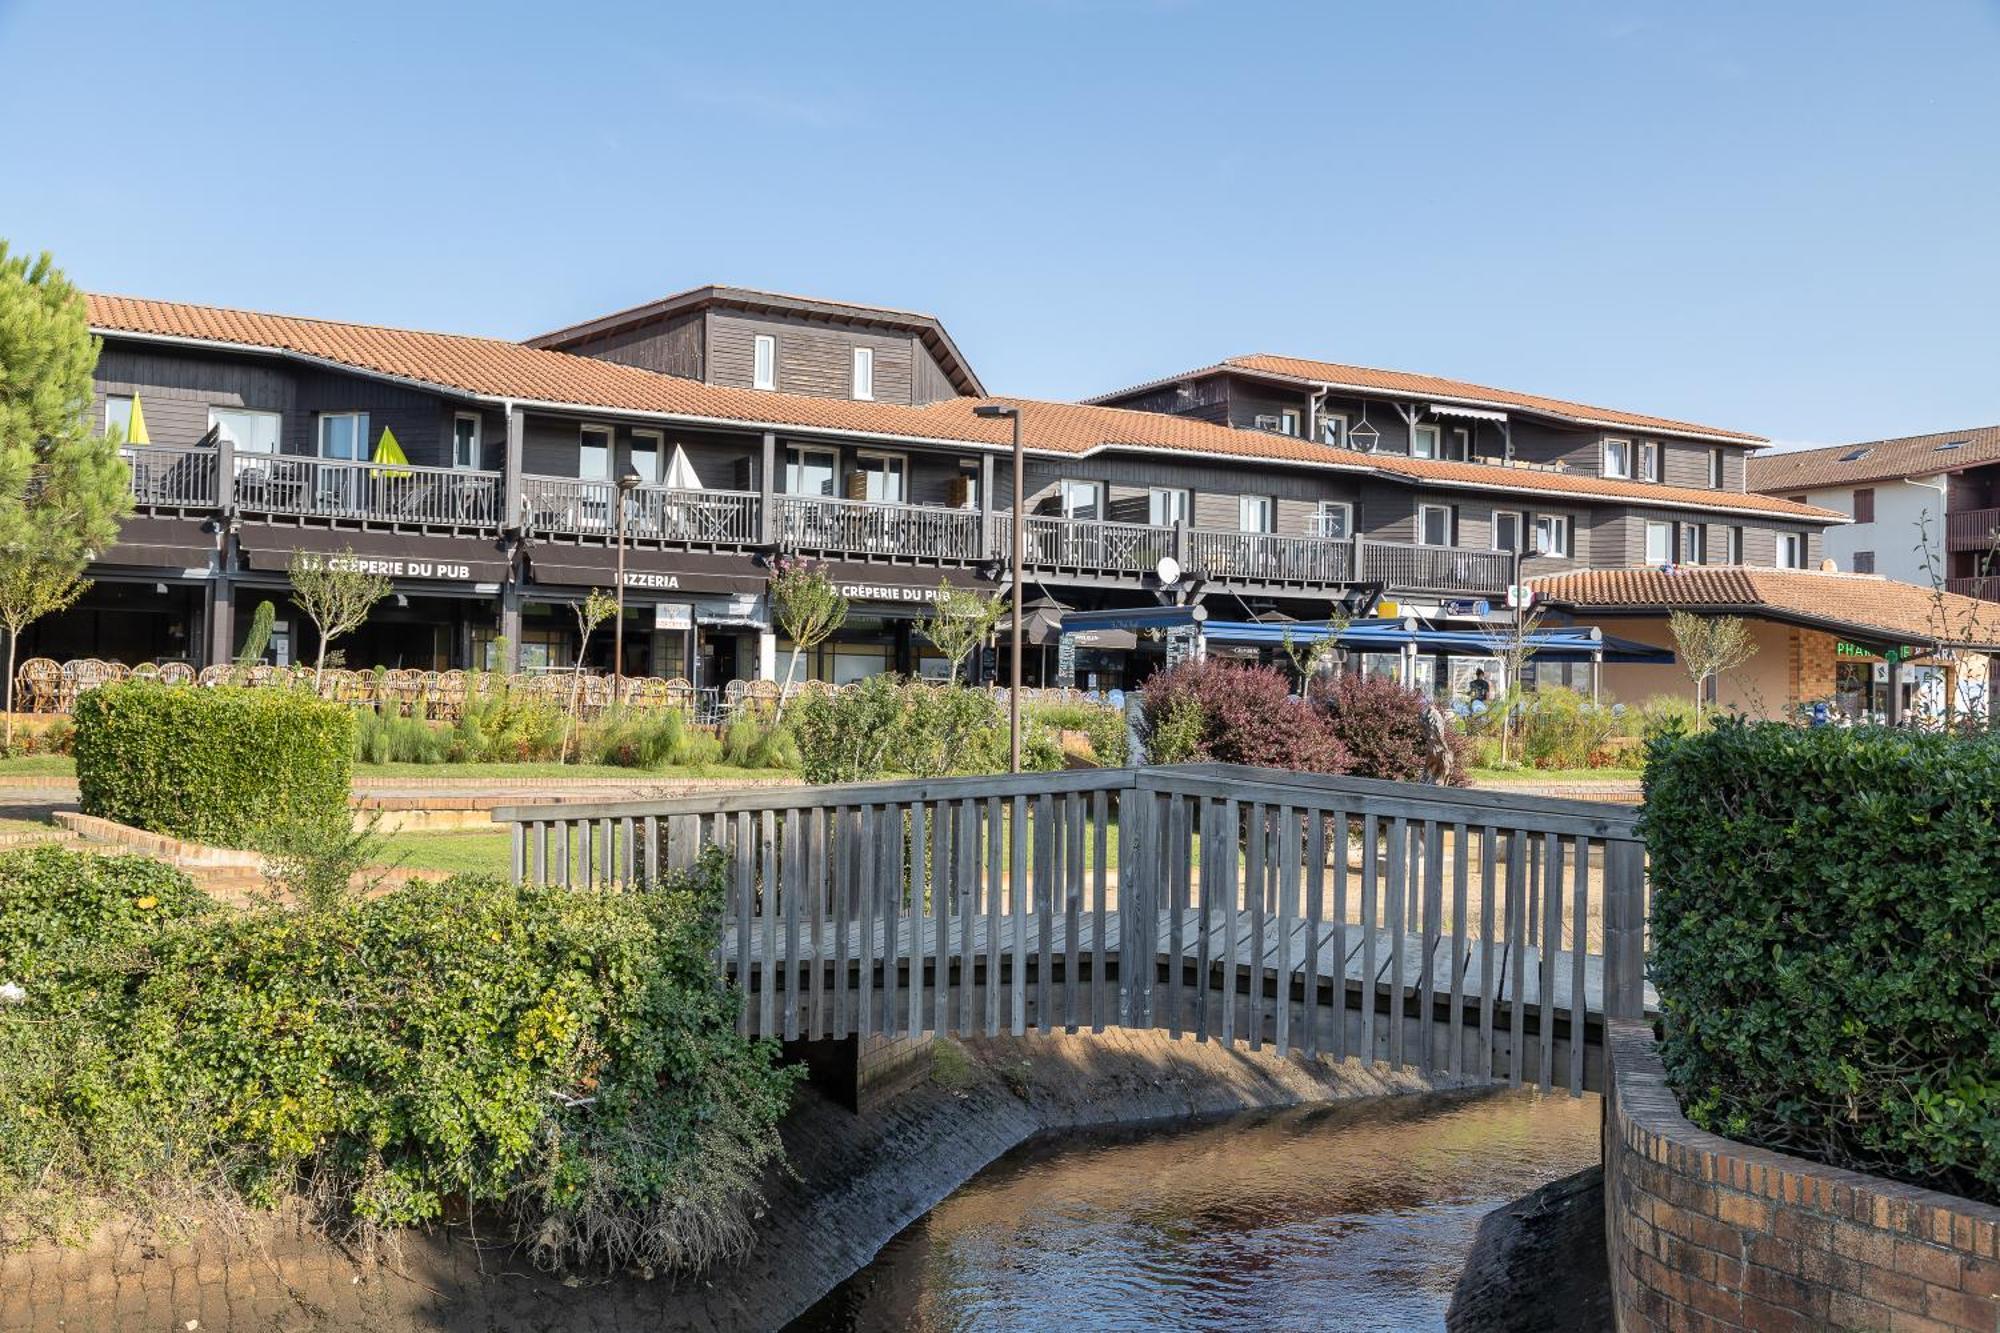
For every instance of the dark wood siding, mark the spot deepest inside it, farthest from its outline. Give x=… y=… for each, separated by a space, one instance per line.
x=671 y=346
x=813 y=358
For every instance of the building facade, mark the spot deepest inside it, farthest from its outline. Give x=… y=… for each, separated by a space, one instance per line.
x=484 y=477
x=1924 y=509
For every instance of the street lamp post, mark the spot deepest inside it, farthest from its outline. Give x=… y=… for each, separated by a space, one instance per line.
x=999 y=411
x=628 y=481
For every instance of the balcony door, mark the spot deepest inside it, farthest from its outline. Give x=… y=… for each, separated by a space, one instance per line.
x=1082 y=499
x=343 y=438
x=811 y=471
x=881 y=479
x=593 y=468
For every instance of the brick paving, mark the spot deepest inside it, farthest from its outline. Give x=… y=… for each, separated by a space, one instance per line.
x=858 y=1181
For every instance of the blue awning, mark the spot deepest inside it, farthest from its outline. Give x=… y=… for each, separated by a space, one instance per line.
x=1567 y=644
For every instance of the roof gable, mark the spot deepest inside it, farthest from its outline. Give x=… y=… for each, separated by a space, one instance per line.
x=1875 y=460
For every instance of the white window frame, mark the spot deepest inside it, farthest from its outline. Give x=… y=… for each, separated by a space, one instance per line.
x=1069 y=486
x=1433 y=434
x=1618 y=458
x=1664 y=531
x=1178 y=509
x=1288 y=421
x=277 y=435
x=1718 y=468
x=360 y=420
x=1333 y=429
x=864 y=374
x=610 y=434
x=797 y=454
x=1788 y=542
x=1560 y=528
x=1460 y=449
x=472 y=463
x=901 y=470
x=1327 y=508
x=764 y=361
x=1648 y=461
x=1732 y=545
x=657 y=440
x=1697 y=543
x=1520 y=526
x=1423 y=537
x=1263 y=506
x=127 y=399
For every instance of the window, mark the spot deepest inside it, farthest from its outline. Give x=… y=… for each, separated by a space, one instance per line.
x=593 y=453
x=118 y=415
x=1649 y=460
x=1791 y=550
x=1717 y=469
x=1461 y=445
x=1618 y=458
x=764 y=370
x=1799 y=499
x=1864 y=562
x=810 y=471
x=1733 y=547
x=1081 y=499
x=1168 y=505
x=248 y=431
x=1335 y=519
x=1424 y=442
x=647 y=451
x=1659 y=543
x=341 y=435
x=1288 y=421
x=1552 y=534
x=1697 y=543
x=1506 y=530
x=864 y=372
x=1333 y=428
x=1856 y=455
x=882 y=478
x=1253 y=513
x=1434 y=525
x=1864 y=505
x=465 y=440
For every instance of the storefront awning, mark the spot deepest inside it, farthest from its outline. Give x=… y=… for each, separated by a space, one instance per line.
x=162 y=544
x=1469 y=413
x=564 y=569
x=1568 y=644
x=402 y=556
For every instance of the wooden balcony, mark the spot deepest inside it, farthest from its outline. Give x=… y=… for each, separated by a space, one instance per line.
x=1443 y=569
x=662 y=515
x=399 y=493
x=1986 y=587
x=1268 y=558
x=822 y=525
x=169 y=478
x=1972 y=530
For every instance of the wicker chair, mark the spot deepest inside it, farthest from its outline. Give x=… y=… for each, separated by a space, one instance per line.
x=678 y=693
x=763 y=696
x=448 y=696
x=39 y=682
x=146 y=671
x=732 y=696
x=217 y=674
x=176 y=673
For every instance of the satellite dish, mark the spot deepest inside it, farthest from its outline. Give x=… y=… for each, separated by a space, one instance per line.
x=1169 y=569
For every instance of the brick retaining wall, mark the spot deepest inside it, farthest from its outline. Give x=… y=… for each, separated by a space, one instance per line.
x=1705 y=1233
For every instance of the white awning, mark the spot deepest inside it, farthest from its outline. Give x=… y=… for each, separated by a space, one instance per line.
x=680 y=472
x=1475 y=413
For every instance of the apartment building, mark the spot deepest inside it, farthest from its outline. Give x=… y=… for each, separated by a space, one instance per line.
x=1923 y=509
x=716 y=430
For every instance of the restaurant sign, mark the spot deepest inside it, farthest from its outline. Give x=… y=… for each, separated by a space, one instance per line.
x=646 y=578
x=888 y=592
x=393 y=567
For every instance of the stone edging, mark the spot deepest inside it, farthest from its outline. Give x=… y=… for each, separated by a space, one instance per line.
x=1704 y=1232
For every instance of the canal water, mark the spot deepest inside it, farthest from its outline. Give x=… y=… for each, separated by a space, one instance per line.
x=1342 y=1217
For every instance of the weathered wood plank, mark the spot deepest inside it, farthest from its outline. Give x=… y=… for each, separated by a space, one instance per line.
x=1100 y=853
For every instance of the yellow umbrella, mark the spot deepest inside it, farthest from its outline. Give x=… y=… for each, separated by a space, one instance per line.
x=387 y=451
x=137 y=435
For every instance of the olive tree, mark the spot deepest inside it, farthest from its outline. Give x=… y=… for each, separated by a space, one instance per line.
x=959 y=622
x=1709 y=647
x=808 y=608
x=591 y=612
x=336 y=593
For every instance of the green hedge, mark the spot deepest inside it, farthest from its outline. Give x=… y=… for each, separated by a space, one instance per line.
x=1826 y=944
x=562 y=1062
x=222 y=765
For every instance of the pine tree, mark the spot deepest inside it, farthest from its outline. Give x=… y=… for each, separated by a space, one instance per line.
x=63 y=489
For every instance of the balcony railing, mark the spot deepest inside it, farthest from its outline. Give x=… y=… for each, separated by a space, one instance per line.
x=1434 y=568
x=375 y=492
x=170 y=478
x=1973 y=529
x=1986 y=587
x=652 y=513
x=864 y=527
x=1090 y=545
x=1266 y=557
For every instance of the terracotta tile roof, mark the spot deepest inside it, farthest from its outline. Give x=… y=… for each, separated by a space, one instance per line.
x=494 y=368
x=1875 y=460
x=1866 y=603
x=1308 y=372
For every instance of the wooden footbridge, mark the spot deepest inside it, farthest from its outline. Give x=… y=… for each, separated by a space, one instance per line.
x=1472 y=934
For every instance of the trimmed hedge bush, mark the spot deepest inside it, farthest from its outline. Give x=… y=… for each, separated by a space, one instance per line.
x=562 y=1062
x=1246 y=715
x=222 y=765
x=1380 y=724
x=1826 y=933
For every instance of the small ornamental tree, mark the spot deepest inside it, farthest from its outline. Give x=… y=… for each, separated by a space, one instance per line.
x=1710 y=646
x=63 y=489
x=1513 y=644
x=959 y=622
x=336 y=593
x=808 y=608
x=591 y=612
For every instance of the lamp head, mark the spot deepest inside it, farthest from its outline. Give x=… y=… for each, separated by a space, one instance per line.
x=628 y=479
x=995 y=411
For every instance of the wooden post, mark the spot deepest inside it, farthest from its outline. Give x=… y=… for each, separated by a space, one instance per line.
x=767 y=488
x=1624 y=929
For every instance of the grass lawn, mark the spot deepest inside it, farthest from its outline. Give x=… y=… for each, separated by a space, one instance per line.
x=1496 y=777
x=550 y=770
x=477 y=851
x=39 y=766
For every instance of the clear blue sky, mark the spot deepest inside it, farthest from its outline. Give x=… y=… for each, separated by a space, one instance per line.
x=1783 y=218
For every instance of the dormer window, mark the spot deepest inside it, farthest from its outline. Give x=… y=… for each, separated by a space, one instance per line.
x=764 y=367
x=1649 y=460
x=1618 y=458
x=864 y=373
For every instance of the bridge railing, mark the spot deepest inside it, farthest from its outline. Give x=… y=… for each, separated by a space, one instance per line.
x=1472 y=934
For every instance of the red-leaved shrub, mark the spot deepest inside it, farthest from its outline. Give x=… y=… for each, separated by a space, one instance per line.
x=1380 y=724
x=1248 y=716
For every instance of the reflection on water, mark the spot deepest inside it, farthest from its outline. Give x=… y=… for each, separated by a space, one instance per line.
x=1326 y=1217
